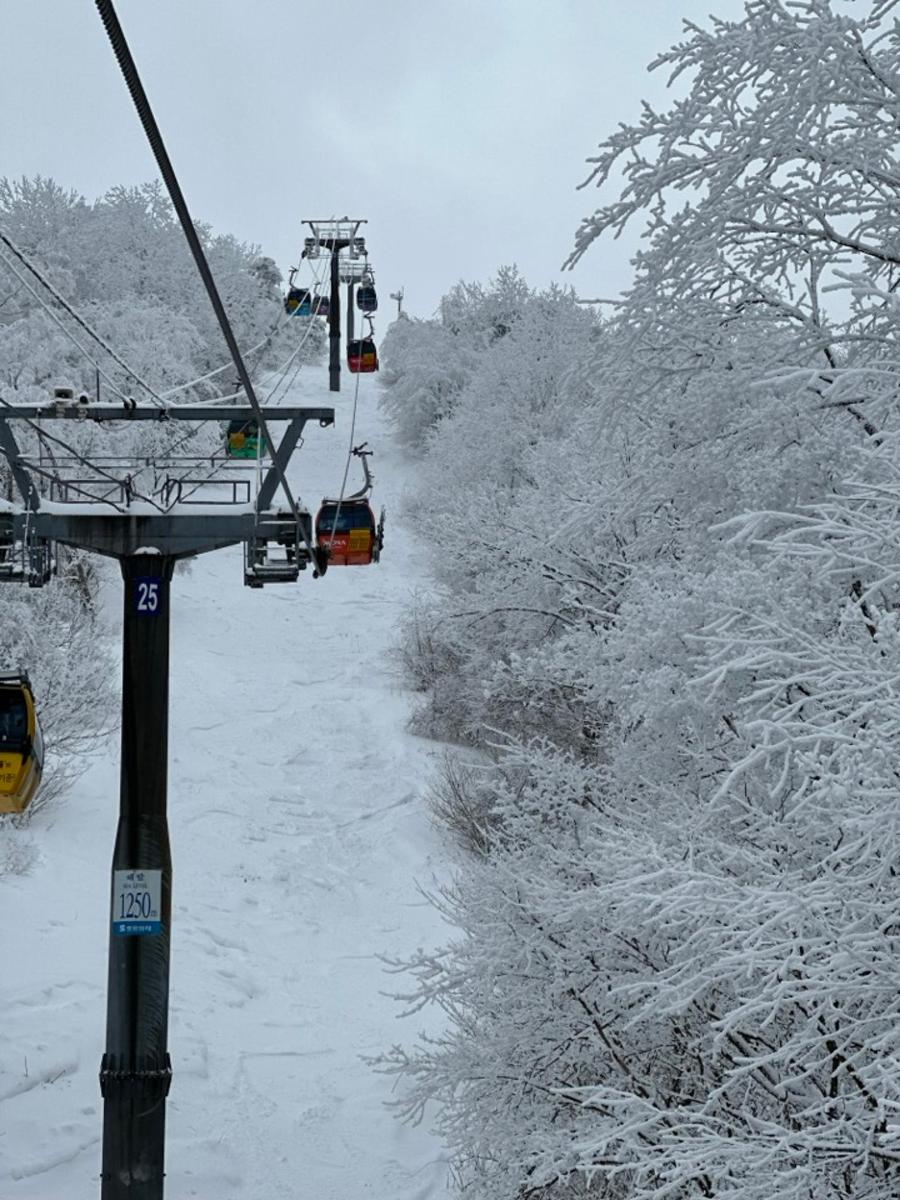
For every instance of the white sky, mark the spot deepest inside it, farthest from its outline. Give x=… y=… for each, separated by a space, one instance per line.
x=459 y=129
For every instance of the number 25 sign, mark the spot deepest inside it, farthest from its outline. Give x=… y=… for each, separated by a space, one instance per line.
x=147 y=597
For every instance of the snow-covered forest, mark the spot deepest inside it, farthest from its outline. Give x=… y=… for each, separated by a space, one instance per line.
x=641 y=574
x=663 y=640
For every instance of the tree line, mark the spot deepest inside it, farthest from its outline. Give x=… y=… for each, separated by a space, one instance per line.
x=661 y=642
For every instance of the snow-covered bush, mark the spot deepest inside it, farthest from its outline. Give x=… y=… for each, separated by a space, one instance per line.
x=58 y=639
x=427 y=365
x=423 y=369
x=666 y=588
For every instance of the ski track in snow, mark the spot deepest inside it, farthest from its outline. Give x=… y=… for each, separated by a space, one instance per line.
x=300 y=840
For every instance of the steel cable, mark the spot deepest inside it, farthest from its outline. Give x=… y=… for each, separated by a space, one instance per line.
x=67 y=332
x=283 y=370
x=132 y=79
x=183 y=387
x=61 y=300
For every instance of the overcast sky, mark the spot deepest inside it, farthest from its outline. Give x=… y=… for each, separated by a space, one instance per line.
x=458 y=128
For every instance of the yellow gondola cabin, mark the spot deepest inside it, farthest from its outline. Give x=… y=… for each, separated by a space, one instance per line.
x=21 y=744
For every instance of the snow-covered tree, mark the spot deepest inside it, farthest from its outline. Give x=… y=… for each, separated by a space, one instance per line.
x=423 y=369
x=427 y=364
x=771 y=181
x=664 y=622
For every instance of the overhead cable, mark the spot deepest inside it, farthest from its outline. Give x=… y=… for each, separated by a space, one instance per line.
x=114 y=387
x=183 y=387
x=61 y=300
x=269 y=398
x=154 y=137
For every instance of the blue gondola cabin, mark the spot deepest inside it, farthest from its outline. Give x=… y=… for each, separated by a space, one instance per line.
x=298 y=302
x=367 y=298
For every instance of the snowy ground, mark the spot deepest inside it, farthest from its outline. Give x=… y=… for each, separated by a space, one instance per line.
x=299 y=839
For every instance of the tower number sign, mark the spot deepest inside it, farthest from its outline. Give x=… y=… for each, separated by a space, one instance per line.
x=147 y=596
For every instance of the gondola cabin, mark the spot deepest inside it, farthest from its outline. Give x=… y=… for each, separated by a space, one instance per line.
x=242 y=438
x=298 y=302
x=366 y=298
x=21 y=744
x=321 y=306
x=348 y=531
x=362 y=356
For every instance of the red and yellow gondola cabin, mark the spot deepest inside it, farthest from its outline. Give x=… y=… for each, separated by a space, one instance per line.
x=362 y=356
x=21 y=743
x=348 y=531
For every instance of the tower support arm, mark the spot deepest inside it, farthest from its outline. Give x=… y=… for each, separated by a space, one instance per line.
x=280 y=458
x=9 y=447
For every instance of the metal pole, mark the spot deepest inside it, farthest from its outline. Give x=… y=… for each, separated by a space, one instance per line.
x=350 y=313
x=136 y=1072
x=334 y=325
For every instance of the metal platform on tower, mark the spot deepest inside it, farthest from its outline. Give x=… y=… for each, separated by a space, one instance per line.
x=174 y=506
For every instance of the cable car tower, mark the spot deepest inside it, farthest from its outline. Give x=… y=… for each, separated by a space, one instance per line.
x=148 y=515
x=340 y=239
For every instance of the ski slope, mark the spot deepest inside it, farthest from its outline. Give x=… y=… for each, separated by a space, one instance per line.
x=300 y=842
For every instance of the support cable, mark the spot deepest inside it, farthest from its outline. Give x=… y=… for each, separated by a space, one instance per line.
x=132 y=79
x=68 y=333
x=159 y=397
x=283 y=369
x=183 y=387
x=341 y=497
x=60 y=299
x=269 y=398
x=282 y=386
x=41 y=433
